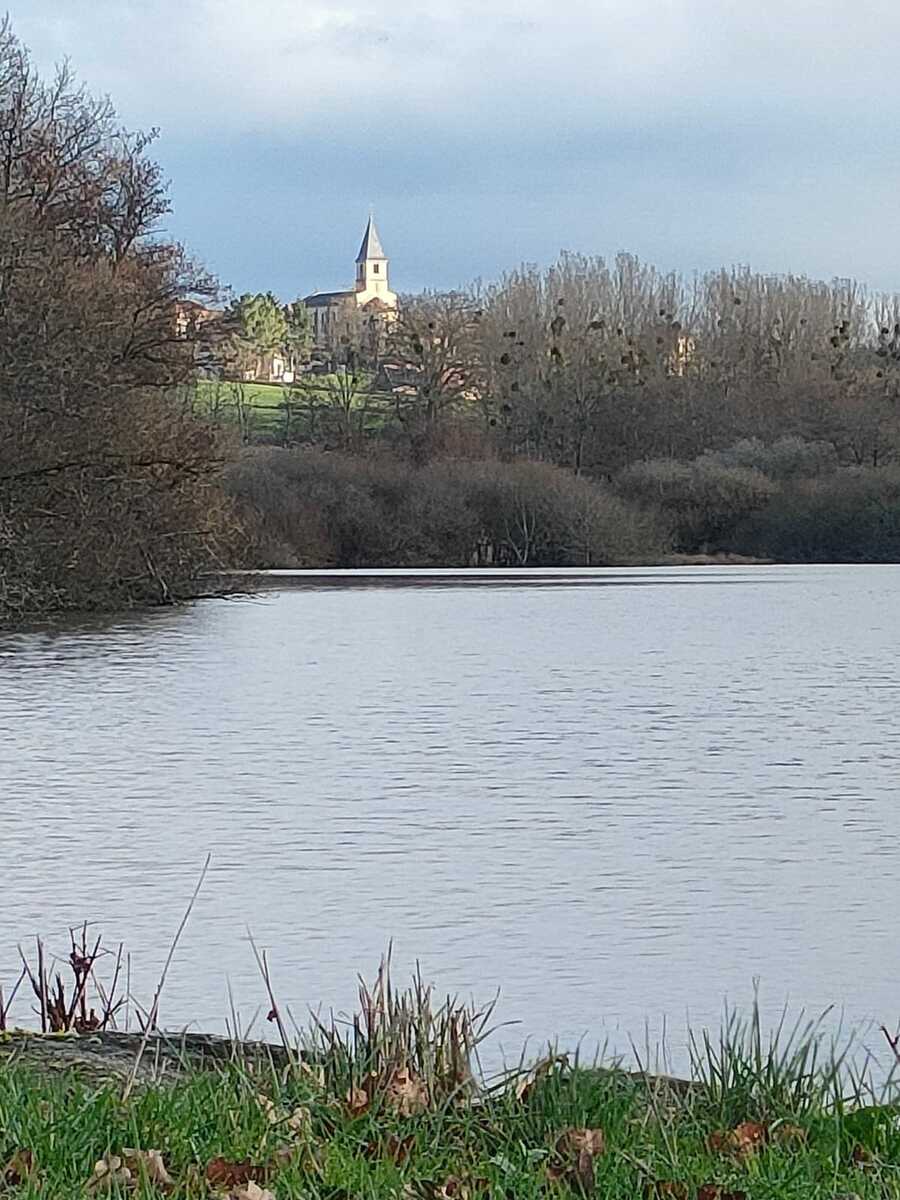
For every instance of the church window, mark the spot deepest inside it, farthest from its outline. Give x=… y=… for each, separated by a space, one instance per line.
x=376 y=269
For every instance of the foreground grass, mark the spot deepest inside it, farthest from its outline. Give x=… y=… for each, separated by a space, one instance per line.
x=389 y=1104
x=285 y=1132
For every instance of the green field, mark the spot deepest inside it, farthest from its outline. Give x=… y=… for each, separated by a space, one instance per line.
x=262 y=395
x=260 y=406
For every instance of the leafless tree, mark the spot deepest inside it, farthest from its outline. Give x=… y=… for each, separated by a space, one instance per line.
x=108 y=484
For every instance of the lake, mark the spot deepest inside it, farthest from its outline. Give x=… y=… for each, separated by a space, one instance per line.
x=618 y=796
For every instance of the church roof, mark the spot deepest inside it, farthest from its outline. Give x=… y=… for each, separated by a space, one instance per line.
x=325 y=299
x=371 y=244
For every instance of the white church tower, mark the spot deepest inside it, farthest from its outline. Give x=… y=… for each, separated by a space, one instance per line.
x=372 y=270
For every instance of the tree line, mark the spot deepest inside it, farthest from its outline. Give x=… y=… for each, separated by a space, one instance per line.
x=739 y=413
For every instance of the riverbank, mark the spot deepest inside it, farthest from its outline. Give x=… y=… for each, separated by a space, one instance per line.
x=237 y=1126
x=391 y=1103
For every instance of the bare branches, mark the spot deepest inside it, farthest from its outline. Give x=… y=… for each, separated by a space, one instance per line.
x=62 y=1010
x=106 y=478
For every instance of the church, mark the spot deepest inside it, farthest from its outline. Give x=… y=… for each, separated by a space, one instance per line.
x=335 y=314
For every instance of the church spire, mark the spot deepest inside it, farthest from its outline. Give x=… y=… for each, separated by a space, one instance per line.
x=371 y=247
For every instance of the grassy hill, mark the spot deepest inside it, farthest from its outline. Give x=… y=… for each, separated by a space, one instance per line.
x=262 y=407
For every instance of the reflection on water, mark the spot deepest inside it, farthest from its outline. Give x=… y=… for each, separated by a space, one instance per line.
x=617 y=803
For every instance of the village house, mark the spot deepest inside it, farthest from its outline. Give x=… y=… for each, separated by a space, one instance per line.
x=361 y=311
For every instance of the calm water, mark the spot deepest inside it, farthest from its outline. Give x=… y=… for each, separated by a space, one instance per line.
x=619 y=796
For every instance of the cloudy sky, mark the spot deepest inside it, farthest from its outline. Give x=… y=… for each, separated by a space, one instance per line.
x=491 y=132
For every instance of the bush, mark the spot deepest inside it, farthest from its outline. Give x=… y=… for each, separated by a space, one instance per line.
x=788 y=458
x=704 y=501
x=316 y=508
x=851 y=516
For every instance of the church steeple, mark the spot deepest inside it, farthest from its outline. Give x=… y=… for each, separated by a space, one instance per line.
x=372 y=263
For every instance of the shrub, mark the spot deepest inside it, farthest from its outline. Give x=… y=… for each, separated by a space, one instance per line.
x=788 y=458
x=851 y=516
x=318 y=509
x=703 y=500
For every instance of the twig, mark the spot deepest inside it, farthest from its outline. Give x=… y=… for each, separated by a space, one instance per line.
x=6 y=1005
x=274 y=1012
x=42 y=994
x=893 y=1042
x=154 y=1010
x=83 y=967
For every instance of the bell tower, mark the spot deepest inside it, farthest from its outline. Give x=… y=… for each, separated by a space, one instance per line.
x=372 y=266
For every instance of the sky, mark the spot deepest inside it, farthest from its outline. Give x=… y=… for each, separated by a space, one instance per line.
x=487 y=133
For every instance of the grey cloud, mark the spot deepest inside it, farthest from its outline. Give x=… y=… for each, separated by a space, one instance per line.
x=693 y=131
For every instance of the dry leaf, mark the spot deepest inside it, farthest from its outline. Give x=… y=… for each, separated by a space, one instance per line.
x=315 y=1073
x=542 y=1070
x=666 y=1189
x=790 y=1135
x=252 y=1191
x=150 y=1165
x=574 y=1141
x=299 y=1121
x=19 y=1169
x=576 y=1150
x=743 y=1140
x=269 y=1108
x=220 y=1173
x=110 y=1172
x=406 y=1093
x=712 y=1191
x=582 y=1177
x=749 y=1136
x=357 y=1102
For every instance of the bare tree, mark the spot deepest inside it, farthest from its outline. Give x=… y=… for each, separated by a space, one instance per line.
x=108 y=483
x=433 y=344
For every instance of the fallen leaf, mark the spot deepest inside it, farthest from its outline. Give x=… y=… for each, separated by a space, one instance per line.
x=574 y=1141
x=19 y=1169
x=109 y=1172
x=406 y=1093
x=149 y=1165
x=790 y=1135
x=862 y=1156
x=299 y=1121
x=252 y=1191
x=743 y=1140
x=582 y=1177
x=273 y=1116
x=576 y=1150
x=220 y=1173
x=541 y=1070
x=666 y=1189
x=712 y=1191
x=357 y=1102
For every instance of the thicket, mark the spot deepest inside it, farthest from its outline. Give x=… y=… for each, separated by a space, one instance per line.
x=315 y=508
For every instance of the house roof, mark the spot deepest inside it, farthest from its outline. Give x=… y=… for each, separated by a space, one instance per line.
x=371 y=244
x=325 y=299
